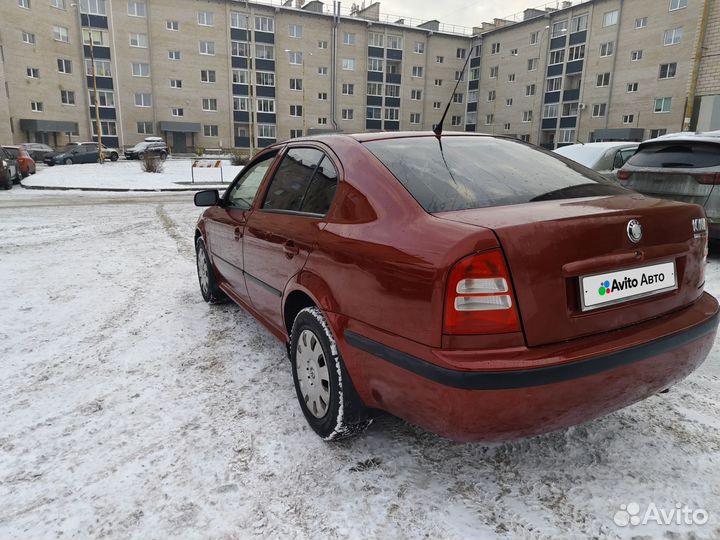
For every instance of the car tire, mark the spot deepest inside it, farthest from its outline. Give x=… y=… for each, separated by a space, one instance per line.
x=141 y=155
x=324 y=390
x=7 y=182
x=163 y=156
x=209 y=289
x=114 y=157
x=68 y=161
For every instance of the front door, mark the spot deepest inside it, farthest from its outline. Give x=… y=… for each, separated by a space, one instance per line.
x=282 y=231
x=225 y=225
x=179 y=142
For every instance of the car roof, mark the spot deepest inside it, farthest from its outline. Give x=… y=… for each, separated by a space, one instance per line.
x=589 y=153
x=712 y=137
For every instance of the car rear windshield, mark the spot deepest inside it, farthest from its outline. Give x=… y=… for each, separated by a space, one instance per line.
x=459 y=172
x=677 y=155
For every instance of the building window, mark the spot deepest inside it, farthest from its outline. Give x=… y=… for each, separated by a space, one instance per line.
x=241 y=103
x=173 y=55
x=550 y=110
x=139 y=40
x=458 y=98
x=460 y=53
x=509 y=102
x=557 y=57
x=641 y=22
x=527 y=116
x=296 y=84
x=494 y=72
x=136 y=9
x=530 y=90
x=606 y=49
x=636 y=55
x=108 y=128
x=628 y=118
x=102 y=68
x=177 y=112
x=416 y=94
x=140 y=69
x=238 y=20
x=375 y=64
x=436 y=104
x=295 y=30
x=414 y=118
x=511 y=77
x=513 y=52
x=347 y=114
x=678 y=4
x=602 y=79
x=579 y=23
x=322 y=121
x=394 y=42
x=495 y=48
x=489 y=119
x=28 y=38
x=438 y=82
x=266 y=105
x=267 y=131
x=610 y=18
x=471 y=117
x=322 y=44
x=392 y=90
x=60 y=33
x=569 y=109
x=374 y=89
x=419 y=47
x=554 y=84
x=64 y=65
x=567 y=136
x=473 y=96
x=210 y=130
x=145 y=128
x=93 y=7
x=207 y=47
x=458 y=76
x=208 y=76
x=632 y=87
x=322 y=96
x=349 y=38
x=143 y=99
x=663 y=105
x=264 y=24
x=598 y=109
x=239 y=76
x=507 y=127
x=175 y=83
x=439 y=59
x=576 y=53
x=60 y=4
x=532 y=64
x=239 y=49
x=209 y=104
x=456 y=121
x=206 y=18
x=417 y=71
x=348 y=89
x=106 y=98
x=657 y=133
x=295 y=133
x=373 y=113
x=392 y=113
x=33 y=73
x=172 y=25
x=559 y=29
x=668 y=71
x=534 y=38
x=475 y=74
x=296 y=111
x=267 y=52
x=264 y=78
x=67 y=97
x=491 y=95
x=348 y=64
x=673 y=36
x=375 y=39
x=24 y=4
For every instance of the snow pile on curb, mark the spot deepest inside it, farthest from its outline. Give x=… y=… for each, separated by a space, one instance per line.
x=128 y=175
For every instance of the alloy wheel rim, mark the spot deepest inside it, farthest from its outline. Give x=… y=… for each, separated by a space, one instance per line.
x=203 y=271
x=312 y=374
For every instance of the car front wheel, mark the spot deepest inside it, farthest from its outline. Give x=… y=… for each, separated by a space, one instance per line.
x=209 y=289
x=163 y=156
x=6 y=182
x=114 y=157
x=324 y=389
x=68 y=161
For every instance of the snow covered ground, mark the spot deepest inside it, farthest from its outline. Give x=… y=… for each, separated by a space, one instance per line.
x=128 y=175
x=131 y=409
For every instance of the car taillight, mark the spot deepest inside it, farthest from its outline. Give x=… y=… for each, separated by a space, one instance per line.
x=479 y=298
x=711 y=178
x=623 y=175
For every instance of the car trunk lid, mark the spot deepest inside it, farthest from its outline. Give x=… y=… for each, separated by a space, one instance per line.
x=551 y=245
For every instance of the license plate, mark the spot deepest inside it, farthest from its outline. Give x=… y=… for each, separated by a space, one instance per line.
x=617 y=286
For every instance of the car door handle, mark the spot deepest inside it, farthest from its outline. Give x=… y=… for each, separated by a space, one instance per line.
x=238 y=233
x=290 y=249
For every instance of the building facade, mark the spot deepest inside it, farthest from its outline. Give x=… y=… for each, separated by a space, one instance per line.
x=218 y=73
x=595 y=70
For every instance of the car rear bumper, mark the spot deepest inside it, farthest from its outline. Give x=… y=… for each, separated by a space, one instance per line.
x=504 y=394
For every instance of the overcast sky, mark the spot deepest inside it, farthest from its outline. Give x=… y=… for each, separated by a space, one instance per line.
x=461 y=12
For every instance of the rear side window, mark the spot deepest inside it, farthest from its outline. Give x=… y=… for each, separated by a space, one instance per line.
x=677 y=155
x=458 y=173
x=304 y=182
x=12 y=152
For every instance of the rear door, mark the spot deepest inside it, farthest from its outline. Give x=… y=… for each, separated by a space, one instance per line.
x=283 y=230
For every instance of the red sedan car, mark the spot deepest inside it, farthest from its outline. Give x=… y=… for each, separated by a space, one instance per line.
x=474 y=285
x=26 y=164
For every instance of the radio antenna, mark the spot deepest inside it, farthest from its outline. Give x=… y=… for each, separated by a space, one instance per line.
x=438 y=129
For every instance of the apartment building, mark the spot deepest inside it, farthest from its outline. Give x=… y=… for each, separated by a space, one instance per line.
x=594 y=70
x=219 y=73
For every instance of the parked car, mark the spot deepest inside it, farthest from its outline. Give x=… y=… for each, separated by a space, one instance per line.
x=26 y=164
x=38 y=151
x=151 y=146
x=81 y=152
x=9 y=171
x=683 y=167
x=604 y=157
x=474 y=285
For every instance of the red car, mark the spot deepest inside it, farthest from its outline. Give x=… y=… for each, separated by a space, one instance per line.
x=477 y=286
x=26 y=164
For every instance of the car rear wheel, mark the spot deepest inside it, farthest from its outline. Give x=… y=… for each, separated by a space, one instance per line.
x=68 y=161
x=163 y=156
x=6 y=182
x=114 y=157
x=211 y=293
x=327 y=397
x=141 y=155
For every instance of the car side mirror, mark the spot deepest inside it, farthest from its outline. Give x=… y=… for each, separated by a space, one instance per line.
x=209 y=197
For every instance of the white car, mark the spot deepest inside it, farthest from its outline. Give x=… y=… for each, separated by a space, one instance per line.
x=604 y=157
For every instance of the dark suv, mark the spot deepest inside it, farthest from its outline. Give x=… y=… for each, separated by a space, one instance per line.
x=9 y=171
x=152 y=146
